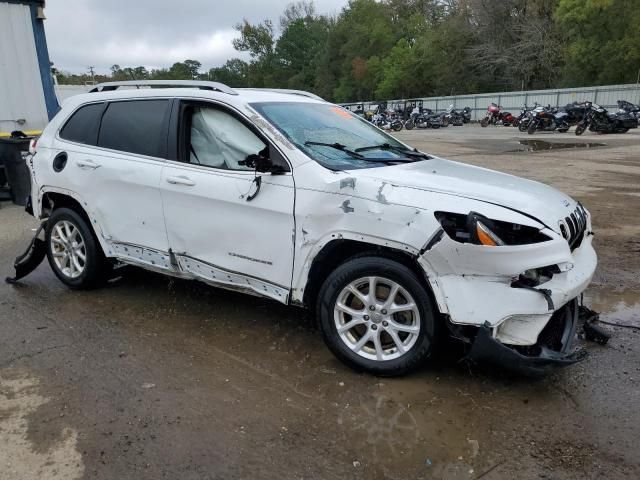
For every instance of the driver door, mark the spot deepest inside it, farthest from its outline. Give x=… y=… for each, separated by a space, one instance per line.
x=220 y=227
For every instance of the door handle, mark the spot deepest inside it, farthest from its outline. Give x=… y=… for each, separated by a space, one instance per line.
x=87 y=164
x=181 y=181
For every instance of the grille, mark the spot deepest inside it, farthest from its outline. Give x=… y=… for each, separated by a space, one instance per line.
x=574 y=226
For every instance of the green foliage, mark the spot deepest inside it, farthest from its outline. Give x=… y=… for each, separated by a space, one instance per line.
x=603 y=40
x=381 y=49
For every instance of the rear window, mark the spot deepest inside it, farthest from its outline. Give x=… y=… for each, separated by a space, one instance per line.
x=135 y=126
x=83 y=125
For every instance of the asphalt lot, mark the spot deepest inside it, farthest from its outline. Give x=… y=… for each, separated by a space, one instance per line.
x=153 y=378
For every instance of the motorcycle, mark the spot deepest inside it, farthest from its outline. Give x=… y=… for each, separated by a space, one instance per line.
x=453 y=117
x=425 y=118
x=466 y=114
x=547 y=119
x=496 y=116
x=628 y=107
x=521 y=122
x=598 y=119
x=387 y=121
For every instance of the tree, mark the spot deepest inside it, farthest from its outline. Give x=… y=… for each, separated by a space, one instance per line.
x=602 y=41
x=233 y=73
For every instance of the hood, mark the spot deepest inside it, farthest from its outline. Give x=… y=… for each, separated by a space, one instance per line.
x=534 y=199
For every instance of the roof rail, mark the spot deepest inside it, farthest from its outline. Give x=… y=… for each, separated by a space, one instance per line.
x=201 y=84
x=302 y=93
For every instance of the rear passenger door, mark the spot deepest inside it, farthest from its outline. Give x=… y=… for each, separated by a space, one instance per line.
x=117 y=170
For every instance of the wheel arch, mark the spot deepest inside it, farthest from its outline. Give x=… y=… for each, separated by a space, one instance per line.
x=53 y=198
x=339 y=250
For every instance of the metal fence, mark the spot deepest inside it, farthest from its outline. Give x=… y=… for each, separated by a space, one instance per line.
x=605 y=96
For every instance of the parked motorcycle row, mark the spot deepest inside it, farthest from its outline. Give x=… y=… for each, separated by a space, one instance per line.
x=412 y=114
x=583 y=115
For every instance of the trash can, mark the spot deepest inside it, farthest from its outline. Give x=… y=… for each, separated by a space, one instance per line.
x=13 y=153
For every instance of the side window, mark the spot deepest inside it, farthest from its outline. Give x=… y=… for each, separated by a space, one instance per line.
x=217 y=139
x=83 y=125
x=135 y=126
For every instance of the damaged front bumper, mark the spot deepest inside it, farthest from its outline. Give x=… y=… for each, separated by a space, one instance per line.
x=554 y=348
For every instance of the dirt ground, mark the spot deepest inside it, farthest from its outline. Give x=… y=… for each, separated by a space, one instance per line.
x=152 y=378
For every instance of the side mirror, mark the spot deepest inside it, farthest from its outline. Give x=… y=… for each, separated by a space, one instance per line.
x=259 y=163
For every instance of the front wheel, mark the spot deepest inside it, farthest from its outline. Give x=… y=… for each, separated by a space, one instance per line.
x=376 y=315
x=531 y=129
x=580 y=128
x=484 y=122
x=409 y=125
x=396 y=126
x=73 y=251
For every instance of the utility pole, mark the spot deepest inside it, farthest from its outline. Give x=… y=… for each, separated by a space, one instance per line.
x=92 y=72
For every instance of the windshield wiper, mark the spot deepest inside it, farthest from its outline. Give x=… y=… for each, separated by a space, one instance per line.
x=355 y=154
x=388 y=146
x=338 y=146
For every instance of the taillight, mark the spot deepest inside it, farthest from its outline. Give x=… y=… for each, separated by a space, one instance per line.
x=32 y=146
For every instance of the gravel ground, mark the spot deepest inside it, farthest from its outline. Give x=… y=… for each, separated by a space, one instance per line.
x=153 y=378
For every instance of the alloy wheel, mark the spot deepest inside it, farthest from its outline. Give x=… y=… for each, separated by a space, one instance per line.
x=377 y=318
x=68 y=249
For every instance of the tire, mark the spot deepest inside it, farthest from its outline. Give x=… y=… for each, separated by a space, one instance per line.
x=66 y=228
x=531 y=129
x=419 y=343
x=580 y=128
x=409 y=125
x=522 y=126
x=484 y=122
x=396 y=126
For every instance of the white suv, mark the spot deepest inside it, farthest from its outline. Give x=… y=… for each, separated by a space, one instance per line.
x=281 y=194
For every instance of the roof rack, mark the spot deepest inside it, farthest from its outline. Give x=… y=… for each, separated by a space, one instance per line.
x=200 y=84
x=302 y=93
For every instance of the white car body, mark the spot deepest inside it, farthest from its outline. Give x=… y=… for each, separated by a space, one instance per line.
x=162 y=215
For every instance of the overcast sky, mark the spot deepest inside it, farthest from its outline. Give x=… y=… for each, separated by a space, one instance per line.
x=153 y=33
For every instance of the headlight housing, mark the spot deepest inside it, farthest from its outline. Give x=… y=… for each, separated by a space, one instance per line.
x=479 y=230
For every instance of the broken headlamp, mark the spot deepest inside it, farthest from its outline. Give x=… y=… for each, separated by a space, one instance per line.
x=480 y=230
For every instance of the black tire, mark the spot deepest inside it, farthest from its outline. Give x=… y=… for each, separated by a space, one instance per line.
x=523 y=125
x=359 y=267
x=531 y=129
x=95 y=266
x=580 y=128
x=484 y=122
x=396 y=126
x=409 y=125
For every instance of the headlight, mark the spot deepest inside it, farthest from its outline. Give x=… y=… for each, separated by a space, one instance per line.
x=480 y=230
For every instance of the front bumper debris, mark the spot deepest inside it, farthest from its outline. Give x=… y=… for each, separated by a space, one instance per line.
x=553 y=349
x=31 y=258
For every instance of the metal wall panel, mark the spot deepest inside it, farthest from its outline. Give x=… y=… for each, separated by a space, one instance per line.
x=64 y=92
x=21 y=93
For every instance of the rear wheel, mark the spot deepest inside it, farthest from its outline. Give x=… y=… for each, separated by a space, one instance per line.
x=396 y=126
x=73 y=251
x=409 y=125
x=375 y=315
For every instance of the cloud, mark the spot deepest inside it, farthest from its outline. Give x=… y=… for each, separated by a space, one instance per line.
x=153 y=33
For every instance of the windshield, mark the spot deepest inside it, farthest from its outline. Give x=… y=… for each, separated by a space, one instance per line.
x=307 y=125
